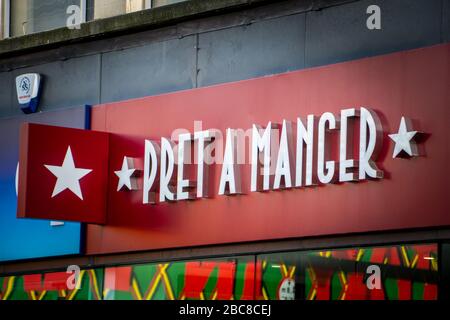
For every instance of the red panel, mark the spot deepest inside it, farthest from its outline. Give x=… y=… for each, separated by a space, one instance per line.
x=118 y=278
x=376 y=294
x=414 y=192
x=225 y=280
x=323 y=283
x=56 y=281
x=252 y=281
x=430 y=291
x=32 y=282
x=196 y=277
x=48 y=145
x=357 y=289
x=378 y=255
x=404 y=289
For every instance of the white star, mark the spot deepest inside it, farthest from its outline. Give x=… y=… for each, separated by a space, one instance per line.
x=68 y=176
x=403 y=140
x=125 y=174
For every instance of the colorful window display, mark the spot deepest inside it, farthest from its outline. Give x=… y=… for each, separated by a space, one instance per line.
x=405 y=272
x=53 y=286
x=223 y=279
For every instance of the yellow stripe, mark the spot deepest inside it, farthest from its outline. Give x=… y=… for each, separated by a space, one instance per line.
x=33 y=295
x=360 y=254
x=405 y=256
x=313 y=294
x=105 y=294
x=434 y=264
x=80 y=279
x=343 y=278
x=41 y=296
x=94 y=280
x=344 y=293
x=78 y=285
x=415 y=260
x=312 y=275
x=136 y=289
x=345 y=286
x=291 y=274
x=72 y=294
x=9 y=287
x=284 y=270
x=266 y=297
x=154 y=286
x=166 y=281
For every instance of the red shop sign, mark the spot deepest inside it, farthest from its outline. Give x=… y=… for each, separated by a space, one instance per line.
x=352 y=147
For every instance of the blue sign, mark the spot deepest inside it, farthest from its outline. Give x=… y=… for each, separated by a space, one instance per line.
x=25 y=238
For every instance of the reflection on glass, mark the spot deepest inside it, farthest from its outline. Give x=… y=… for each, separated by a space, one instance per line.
x=99 y=9
x=159 y=3
x=28 y=16
x=2 y=19
x=224 y=279
x=52 y=286
x=408 y=272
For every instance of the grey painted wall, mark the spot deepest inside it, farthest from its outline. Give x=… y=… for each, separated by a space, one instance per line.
x=339 y=33
x=6 y=89
x=158 y=67
x=267 y=47
x=167 y=60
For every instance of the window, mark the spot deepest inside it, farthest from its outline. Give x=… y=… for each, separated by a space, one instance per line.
x=30 y=16
x=159 y=3
x=4 y=19
x=215 y=279
x=52 y=286
x=22 y=17
x=99 y=9
x=407 y=272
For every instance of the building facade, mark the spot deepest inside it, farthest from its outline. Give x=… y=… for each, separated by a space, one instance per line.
x=348 y=199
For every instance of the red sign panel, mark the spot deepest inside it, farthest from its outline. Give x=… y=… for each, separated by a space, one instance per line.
x=361 y=146
x=412 y=194
x=62 y=174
